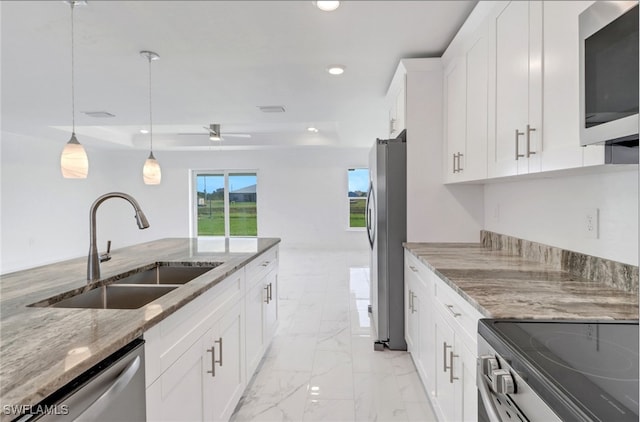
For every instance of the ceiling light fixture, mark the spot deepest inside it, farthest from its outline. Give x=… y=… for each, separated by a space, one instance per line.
x=74 y=162
x=144 y=131
x=214 y=132
x=151 y=171
x=312 y=129
x=336 y=69
x=327 y=6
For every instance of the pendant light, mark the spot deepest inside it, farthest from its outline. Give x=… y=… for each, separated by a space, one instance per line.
x=73 y=161
x=151 y=170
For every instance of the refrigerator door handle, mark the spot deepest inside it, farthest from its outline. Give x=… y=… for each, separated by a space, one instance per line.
x=368 y=217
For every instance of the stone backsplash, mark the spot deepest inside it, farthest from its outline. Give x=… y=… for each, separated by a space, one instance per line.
x=612 y=273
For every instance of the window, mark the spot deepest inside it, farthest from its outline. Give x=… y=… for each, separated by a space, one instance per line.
x=226 y=203
x=358 y=185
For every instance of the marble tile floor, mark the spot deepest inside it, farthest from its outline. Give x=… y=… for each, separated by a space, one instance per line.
x=321 y=365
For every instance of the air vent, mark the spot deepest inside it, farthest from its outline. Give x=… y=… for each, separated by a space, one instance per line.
x=99 y=114
x=271 y=109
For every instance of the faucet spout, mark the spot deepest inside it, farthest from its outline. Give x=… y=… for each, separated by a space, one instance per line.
x=93 y=263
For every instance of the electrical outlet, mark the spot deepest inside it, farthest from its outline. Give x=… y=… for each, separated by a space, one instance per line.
x=591 y=229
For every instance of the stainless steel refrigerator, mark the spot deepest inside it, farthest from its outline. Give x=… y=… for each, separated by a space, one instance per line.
x=386 y=218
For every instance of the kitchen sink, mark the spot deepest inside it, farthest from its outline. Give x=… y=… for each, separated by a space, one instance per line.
x=166 y=273
x=115 y=297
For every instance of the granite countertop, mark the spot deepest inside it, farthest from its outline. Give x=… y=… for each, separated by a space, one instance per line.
x=503 y=285
x=39 y=345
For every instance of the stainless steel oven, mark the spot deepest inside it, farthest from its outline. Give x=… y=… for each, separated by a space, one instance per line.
x=551 y=370
x=609 y=72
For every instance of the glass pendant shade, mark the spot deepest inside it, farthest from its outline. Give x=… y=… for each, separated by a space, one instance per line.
x=151 y=171
x=73 y=161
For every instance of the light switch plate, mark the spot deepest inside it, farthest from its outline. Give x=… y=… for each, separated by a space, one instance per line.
x=591 y=223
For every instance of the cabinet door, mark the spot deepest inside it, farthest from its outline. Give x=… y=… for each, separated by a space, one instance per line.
x=473 y=164
x=412 y=306
x=467 y=377
x=518 y=97
x=270 y=308
x=254 y=335
x=561 y=89
x=427 y=340
x=448 y=389
x=177 y=394
x=455 y=86
x=225 y=387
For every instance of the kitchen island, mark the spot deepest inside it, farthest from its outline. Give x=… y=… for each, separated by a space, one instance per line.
x=43 y=348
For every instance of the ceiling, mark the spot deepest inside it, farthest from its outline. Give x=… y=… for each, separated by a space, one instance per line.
x=219 y=61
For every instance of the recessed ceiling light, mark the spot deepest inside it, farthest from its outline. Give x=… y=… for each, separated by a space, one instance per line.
x=144 y=131
x=271 y=109
x=336 y=69
x=99 y=114
x=327 y=6
x=313 y=129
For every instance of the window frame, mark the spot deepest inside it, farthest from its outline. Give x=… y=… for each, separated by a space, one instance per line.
x=348 y=204
x=193 y=201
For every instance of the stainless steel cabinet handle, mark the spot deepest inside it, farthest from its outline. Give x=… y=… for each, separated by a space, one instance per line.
x=445 y=346
x=529 y=130
x=459 y=166
x=102 y=402
x=266 y=289
x=410 y=301
x=213 y=361
x=413 y=303
x=451 y=356
x=518 y=134
x=270 y=292
x=455 y=314
x=265 y=263
x=454 y=164
x=219 y=341
x=414 y=269
x=392 y=125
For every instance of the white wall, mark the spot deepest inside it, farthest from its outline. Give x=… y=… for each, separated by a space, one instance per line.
x=45 y=218
x=553 y=211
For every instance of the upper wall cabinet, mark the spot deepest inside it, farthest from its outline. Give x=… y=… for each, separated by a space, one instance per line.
x=511 y=90
x=465 y=109
x=516 y=97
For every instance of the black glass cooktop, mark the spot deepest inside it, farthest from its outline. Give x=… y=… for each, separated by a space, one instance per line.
x=585 y=370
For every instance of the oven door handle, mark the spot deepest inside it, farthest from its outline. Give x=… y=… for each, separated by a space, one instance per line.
x=485 y=394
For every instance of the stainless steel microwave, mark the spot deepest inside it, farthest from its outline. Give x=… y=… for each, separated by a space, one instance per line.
x=609 y=72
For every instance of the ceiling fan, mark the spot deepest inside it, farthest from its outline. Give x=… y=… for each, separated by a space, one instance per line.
x=215 y=133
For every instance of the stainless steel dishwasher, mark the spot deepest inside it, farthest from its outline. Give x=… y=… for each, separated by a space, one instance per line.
x=113 y=390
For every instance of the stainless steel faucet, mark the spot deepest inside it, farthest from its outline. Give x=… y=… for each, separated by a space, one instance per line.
x=93 y=264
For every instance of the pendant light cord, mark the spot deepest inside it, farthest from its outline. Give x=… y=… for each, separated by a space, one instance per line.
x=73 y=94
x=150 y=111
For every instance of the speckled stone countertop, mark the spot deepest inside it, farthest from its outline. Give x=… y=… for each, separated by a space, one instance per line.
x=35 y=342
x=503 y=285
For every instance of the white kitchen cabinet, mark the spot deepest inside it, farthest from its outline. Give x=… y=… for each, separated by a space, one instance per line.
x=441 y=335
x=224 y=346
x=419 y=326
x=516 y=97
x=196 y=360
x=261 y=307
x=465 y=97
x=561 y=132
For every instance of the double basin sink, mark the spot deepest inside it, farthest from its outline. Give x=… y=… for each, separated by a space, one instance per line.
x=131 y=290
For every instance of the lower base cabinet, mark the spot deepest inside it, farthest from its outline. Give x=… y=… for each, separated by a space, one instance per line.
x=196 y=360
x=441 y=336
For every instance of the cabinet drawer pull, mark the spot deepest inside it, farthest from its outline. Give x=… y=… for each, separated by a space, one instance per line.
x=219 y=341
x=454 y=313
x=518 y=134
x=529 y=130
x=266 y=288
x=445 y=346
x=414 y=269
x=451 y=356
x=454 y=163
x=459 y=166
x=270 y=292
x=265 y=263
x=213 y=361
